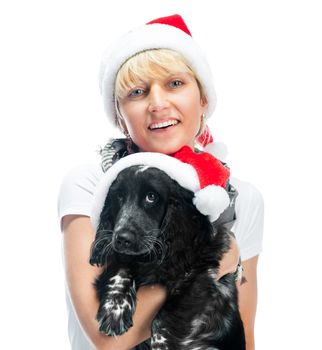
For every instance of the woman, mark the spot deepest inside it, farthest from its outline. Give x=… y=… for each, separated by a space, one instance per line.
x=157 y=88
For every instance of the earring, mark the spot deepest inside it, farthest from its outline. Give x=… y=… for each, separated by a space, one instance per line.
x=123 y=128
x=128 y=142
x=202 y=123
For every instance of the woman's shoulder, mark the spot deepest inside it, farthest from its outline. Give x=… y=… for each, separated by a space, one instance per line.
x=80 y=179
x=77 y=189
x=83 y=173
x=248 y=226
x=247 y=192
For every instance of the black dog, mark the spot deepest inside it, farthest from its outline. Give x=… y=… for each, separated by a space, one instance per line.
x=150 y=232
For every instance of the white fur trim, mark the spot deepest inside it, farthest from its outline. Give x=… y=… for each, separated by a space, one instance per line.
x=183 y=173
x=152 y=36
x=217 y=149
x=212 y=201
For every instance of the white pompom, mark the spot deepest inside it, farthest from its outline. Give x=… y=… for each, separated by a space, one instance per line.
x=212 y=201
x=217 y=149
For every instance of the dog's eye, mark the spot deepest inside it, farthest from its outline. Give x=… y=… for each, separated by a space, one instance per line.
x=151 y=197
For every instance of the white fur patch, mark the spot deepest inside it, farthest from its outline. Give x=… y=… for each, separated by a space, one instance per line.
x=158 y=341
x=118 y=281
x=142 y=169
x=116 y=309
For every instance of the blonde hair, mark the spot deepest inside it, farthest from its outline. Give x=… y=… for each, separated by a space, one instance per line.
x=155 y=64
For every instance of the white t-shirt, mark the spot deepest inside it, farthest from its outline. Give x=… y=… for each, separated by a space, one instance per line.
x=76 y=195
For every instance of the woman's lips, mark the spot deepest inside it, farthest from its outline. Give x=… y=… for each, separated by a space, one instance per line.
x=163 y=125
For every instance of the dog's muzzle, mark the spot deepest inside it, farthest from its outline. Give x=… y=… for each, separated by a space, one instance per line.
x=124 y=242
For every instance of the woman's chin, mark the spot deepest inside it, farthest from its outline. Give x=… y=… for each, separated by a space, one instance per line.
x=163 y=148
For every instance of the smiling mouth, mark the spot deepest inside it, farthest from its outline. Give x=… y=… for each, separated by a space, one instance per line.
x=163 y=125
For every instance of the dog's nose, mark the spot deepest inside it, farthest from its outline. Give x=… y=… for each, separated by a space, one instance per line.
x=124 y=240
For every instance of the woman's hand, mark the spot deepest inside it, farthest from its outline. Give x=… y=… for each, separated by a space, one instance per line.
x=230 y=260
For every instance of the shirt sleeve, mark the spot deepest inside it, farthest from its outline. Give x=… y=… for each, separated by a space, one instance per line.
x=76 y=191
x=249 y=224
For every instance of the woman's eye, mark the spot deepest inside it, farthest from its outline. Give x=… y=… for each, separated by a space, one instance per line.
x=176 y=83
x=136 y=92
x=151 y=197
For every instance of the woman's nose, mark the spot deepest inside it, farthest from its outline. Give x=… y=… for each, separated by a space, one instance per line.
x=158 y=98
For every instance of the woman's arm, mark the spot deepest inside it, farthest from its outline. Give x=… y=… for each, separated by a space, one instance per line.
x=80 y=275
x=230 y=260
x=247 y=293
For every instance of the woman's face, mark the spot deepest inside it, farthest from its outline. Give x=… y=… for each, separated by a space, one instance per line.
x=163 y=115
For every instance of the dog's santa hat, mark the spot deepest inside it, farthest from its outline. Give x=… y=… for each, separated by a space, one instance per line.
x=163 y=33
x=200 y=173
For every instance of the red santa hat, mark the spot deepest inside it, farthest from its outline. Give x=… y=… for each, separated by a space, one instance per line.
x=200 y=173
x=163 y=33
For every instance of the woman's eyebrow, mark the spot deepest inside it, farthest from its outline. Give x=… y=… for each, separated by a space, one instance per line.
x=184 y=75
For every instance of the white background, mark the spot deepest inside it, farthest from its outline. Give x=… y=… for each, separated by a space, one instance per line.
x=266 y=59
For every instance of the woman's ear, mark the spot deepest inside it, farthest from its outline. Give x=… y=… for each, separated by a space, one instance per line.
x=122 y=125
x=204 y=102
x=120 y=120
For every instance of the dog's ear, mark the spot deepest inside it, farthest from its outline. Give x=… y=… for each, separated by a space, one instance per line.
x=103 y=237
x=97 y=248
x=182 y=220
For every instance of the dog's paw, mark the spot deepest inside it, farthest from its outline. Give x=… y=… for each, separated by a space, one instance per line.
x=158 y=339
x=116 y=312
x=159 y=342
x=115 y=317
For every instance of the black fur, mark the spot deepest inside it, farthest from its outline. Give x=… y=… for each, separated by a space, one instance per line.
x=150 y=232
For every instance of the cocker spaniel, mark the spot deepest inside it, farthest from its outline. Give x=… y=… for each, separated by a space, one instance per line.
x=150 y=232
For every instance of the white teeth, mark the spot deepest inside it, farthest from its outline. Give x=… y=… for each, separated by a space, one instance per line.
x=162 y=125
